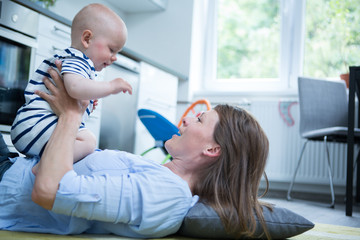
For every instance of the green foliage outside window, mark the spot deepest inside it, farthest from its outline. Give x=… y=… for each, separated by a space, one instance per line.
x=45 y=3
x=332 y=40
x=248 y=39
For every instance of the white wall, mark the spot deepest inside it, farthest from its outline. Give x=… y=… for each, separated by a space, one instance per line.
x=163 y=37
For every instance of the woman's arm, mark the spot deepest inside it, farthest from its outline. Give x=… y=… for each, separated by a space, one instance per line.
x=57 y=158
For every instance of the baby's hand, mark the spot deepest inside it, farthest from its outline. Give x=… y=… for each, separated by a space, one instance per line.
x=120 y=85
x=95 y=103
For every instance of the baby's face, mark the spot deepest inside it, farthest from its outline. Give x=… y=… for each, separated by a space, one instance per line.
x=104 y=47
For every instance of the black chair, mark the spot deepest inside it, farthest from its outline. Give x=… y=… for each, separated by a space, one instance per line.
x=323 y=117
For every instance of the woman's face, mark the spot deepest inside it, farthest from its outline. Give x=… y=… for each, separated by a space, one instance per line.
x=196 y=135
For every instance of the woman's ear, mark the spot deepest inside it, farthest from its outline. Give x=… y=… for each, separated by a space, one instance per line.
x=85 y=38
x=212 y=151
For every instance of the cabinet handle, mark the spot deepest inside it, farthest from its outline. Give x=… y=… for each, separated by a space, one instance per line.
x=158 y=103
x=61 y=30
x=56 y=48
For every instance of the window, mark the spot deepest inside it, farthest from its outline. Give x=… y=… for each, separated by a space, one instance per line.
x=265 y=45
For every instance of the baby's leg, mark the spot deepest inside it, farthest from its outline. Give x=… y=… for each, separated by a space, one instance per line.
x=84 y=145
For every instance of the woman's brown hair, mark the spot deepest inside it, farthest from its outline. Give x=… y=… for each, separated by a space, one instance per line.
x=230 y=185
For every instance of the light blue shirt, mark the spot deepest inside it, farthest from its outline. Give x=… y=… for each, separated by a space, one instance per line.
x=107 y=192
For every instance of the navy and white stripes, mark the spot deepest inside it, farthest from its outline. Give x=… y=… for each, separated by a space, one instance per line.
x=35 y=120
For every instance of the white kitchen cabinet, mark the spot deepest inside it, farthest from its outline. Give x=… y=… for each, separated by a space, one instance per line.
x=119 y=111
x=140 y=6
x=52 y=38
x=157 y=92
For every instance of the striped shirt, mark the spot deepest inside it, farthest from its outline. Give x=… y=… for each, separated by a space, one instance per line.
x=35 y=120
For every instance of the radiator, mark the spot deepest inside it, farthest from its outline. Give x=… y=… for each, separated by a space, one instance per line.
x=280 y=121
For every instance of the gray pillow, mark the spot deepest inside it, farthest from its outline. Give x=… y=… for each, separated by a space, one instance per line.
x=203 y=222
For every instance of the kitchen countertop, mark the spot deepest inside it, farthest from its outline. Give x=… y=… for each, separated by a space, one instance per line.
x=126 y=51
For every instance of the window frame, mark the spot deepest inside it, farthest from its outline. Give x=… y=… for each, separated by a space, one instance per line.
x=291 y=53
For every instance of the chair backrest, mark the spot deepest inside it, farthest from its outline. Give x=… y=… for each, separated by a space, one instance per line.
x=323 y=104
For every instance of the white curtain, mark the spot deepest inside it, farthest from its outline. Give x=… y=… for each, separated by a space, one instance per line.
x=292 y=39
x=203 y=47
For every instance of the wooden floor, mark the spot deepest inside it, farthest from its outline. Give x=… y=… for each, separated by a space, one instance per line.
x=318 y=211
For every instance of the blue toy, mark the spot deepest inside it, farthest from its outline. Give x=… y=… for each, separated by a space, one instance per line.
x=159 y=127
x=162 y=129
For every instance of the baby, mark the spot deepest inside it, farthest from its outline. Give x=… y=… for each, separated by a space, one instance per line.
x=97 y=35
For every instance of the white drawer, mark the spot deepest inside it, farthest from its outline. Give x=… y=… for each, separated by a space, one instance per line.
x=54 y=30
x=47 y=47
x=157 y=86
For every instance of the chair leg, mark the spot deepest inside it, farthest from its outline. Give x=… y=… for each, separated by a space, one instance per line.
x=330 y=173
x=296 y=169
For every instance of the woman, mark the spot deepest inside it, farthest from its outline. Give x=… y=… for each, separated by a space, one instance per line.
x=219 y=156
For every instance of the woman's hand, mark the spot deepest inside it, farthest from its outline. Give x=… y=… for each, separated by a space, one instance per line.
x=60 y=101
x=57 y=158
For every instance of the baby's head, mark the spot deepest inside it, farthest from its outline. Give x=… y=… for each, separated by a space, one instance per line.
x=99 y=33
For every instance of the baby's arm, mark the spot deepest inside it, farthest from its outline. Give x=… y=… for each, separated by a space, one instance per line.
x=81 y=88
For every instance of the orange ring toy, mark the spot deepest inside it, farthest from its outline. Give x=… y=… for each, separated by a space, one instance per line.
x=192 y=106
